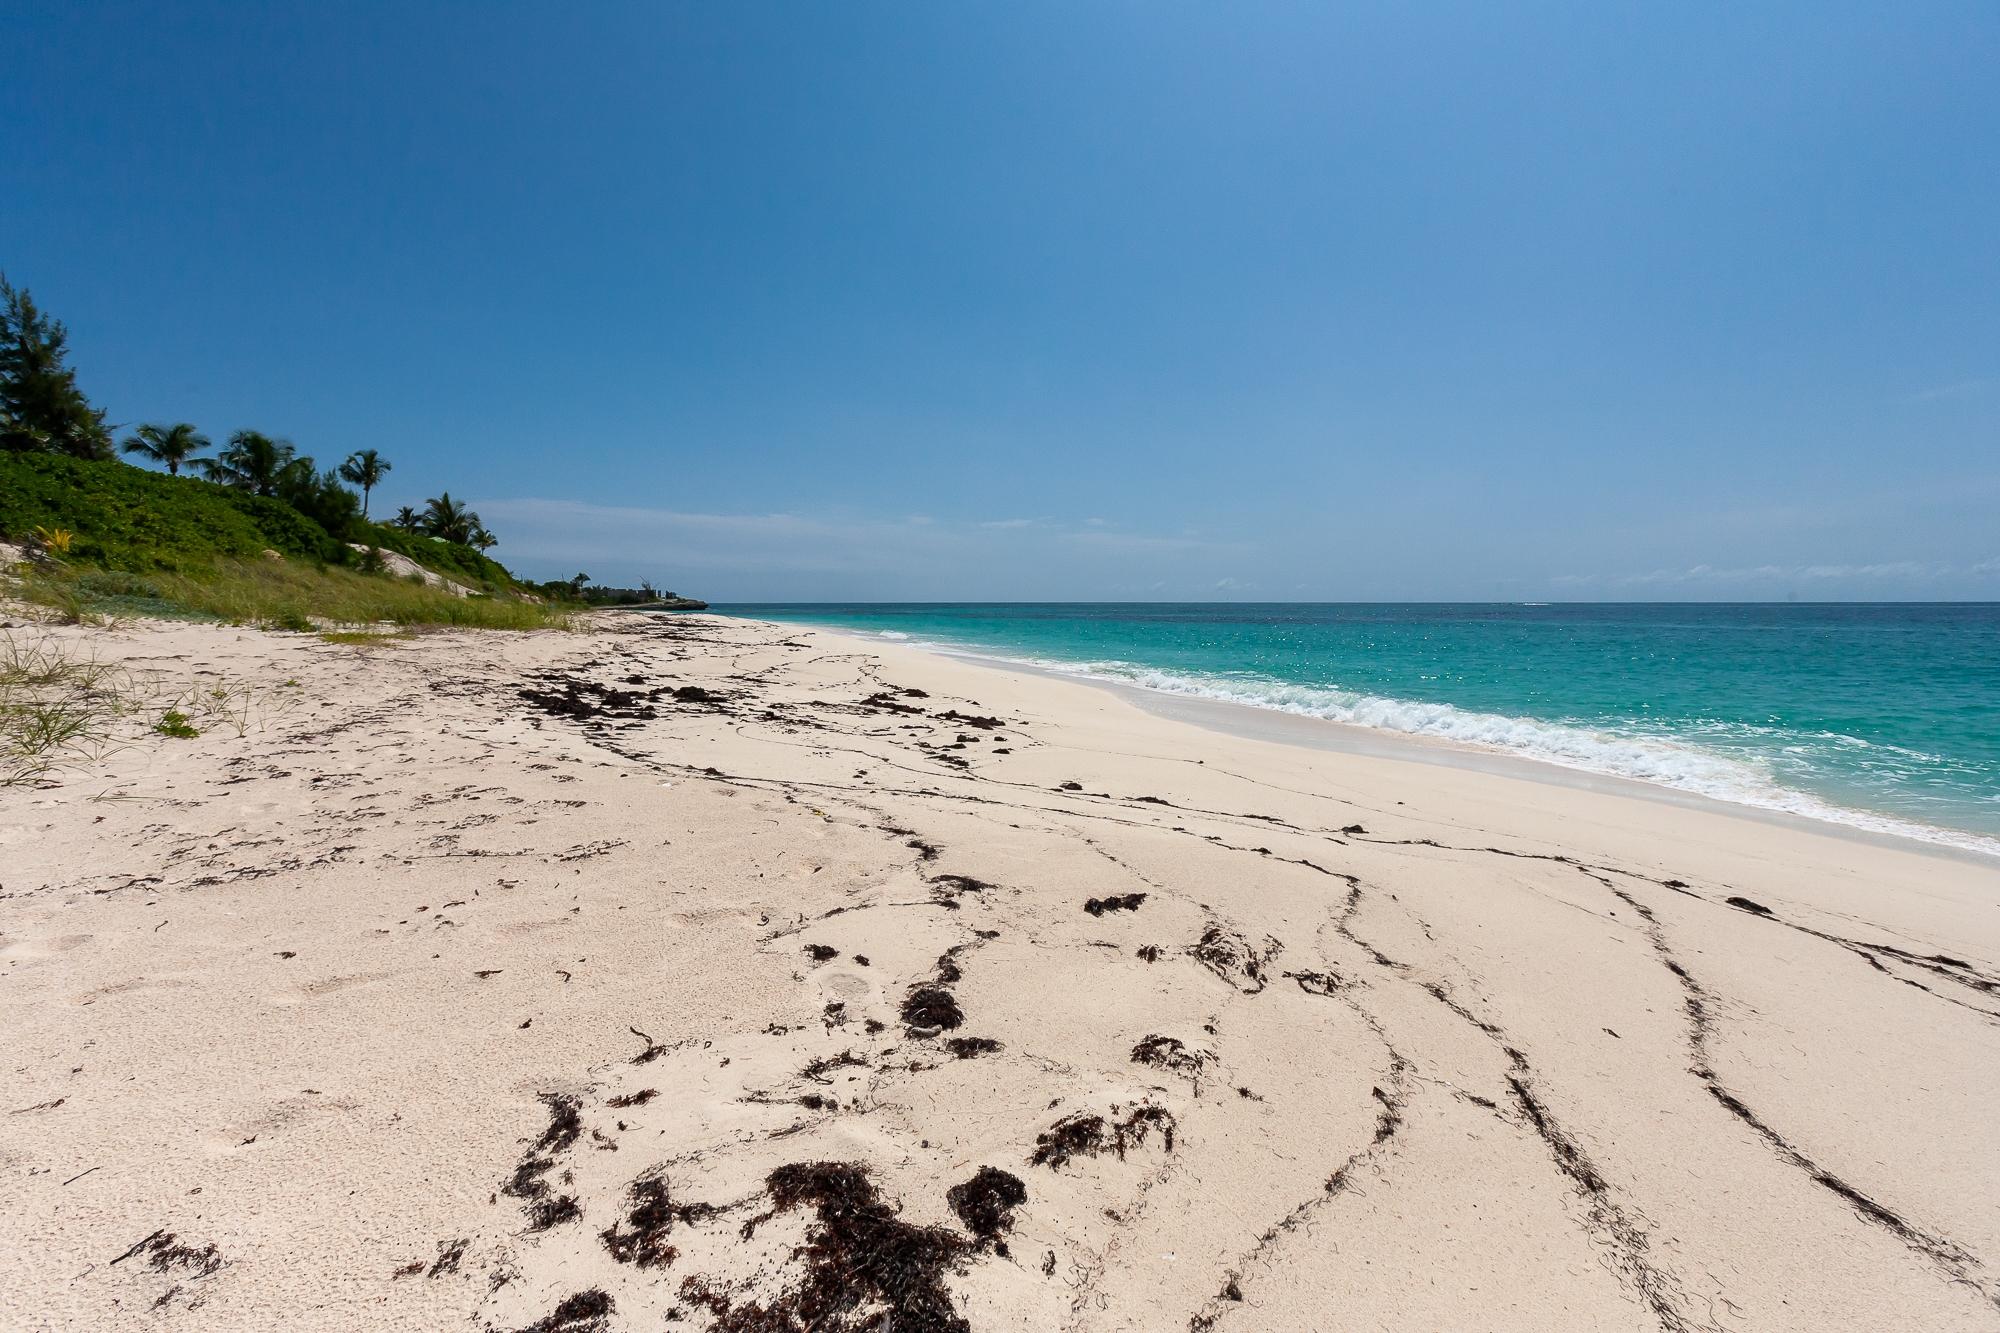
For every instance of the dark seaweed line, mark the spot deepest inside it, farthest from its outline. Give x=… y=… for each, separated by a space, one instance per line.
x=1951 y=969
x=1605 y=1217
x=1565 y=1151
x=1954 y=1260
x=1660 y=1290
x=1390 y=1105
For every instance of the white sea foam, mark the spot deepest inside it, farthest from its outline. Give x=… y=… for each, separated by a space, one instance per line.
x=1658 y=760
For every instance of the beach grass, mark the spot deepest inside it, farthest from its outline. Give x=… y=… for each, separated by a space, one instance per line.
x=55 y=703
x=362 y=638
x=278 y=594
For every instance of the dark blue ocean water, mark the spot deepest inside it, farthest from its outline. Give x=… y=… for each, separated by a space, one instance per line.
x=1882 y=715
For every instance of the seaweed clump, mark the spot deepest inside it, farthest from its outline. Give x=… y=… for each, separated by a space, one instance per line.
x=1173 y=1055
x=545 y=1208
x=1086 y=1135
x=948 y=888
x=970 y=720
x=586 y=700
x=932 y=1007
x=1233 y=958
x=164 y=1254
x=818 y=1069
x=986 y=1205
x=585 y=1312
x=641 y=1239
x=450 y=1254
x=1117 y=902
x=865 y=1267
x=968 y=1048
x=882 y=701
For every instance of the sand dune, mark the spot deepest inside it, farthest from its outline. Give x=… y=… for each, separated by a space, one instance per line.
x=699 y=973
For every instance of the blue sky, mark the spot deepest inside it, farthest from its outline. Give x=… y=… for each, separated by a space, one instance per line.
x=914 y=301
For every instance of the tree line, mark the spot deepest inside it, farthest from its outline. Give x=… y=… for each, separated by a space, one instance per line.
x=43 y=409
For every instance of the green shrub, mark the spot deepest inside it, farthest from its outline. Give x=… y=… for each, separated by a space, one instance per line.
x=361 y=638
x=274 y=594
x=175 y=723
x=289 y=618
x=127 y=518
x=459 y=563
x=130 y=520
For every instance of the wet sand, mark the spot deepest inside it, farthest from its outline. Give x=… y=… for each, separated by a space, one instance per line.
x=700 y=973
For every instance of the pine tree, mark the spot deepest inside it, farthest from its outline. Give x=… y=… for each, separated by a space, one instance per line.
x=41 y=407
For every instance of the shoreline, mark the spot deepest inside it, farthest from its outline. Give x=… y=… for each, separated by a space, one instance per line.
x=1247 y=720
x=682 y=968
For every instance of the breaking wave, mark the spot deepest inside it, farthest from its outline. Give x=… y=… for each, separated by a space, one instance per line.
x=1740 y=777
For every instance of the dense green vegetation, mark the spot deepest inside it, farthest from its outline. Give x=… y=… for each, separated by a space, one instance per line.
x=581 y=589
x=275 y=594
x=127 y=518
x=257 y=532
x=41 y=407
x=461 y=563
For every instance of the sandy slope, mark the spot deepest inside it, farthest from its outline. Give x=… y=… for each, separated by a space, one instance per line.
x=422 y=1004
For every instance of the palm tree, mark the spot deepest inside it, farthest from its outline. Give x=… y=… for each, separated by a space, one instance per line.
x=364 y=469
x=170 y=446
x=448 y=518
x=407 y=519
x=252 y=461
x=482 y=539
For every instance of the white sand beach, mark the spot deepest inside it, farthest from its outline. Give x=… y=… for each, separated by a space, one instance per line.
x=709 y=974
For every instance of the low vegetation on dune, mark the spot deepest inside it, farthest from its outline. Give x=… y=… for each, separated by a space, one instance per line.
x=254 y=533
x=127 y=518
x=54 y=706
x=62 y=707
x=280 y=595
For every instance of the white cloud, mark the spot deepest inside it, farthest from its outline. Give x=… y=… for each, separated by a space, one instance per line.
x=1004 y=523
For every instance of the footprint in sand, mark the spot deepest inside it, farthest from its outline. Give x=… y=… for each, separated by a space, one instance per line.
x=534 y=927
x=24 y=947
x=708 y=916
x=277 y=1118
x=312 y=990
x=135 y=984
x=844 y=986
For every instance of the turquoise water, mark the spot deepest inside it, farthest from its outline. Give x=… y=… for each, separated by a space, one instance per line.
x=1883 y=716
